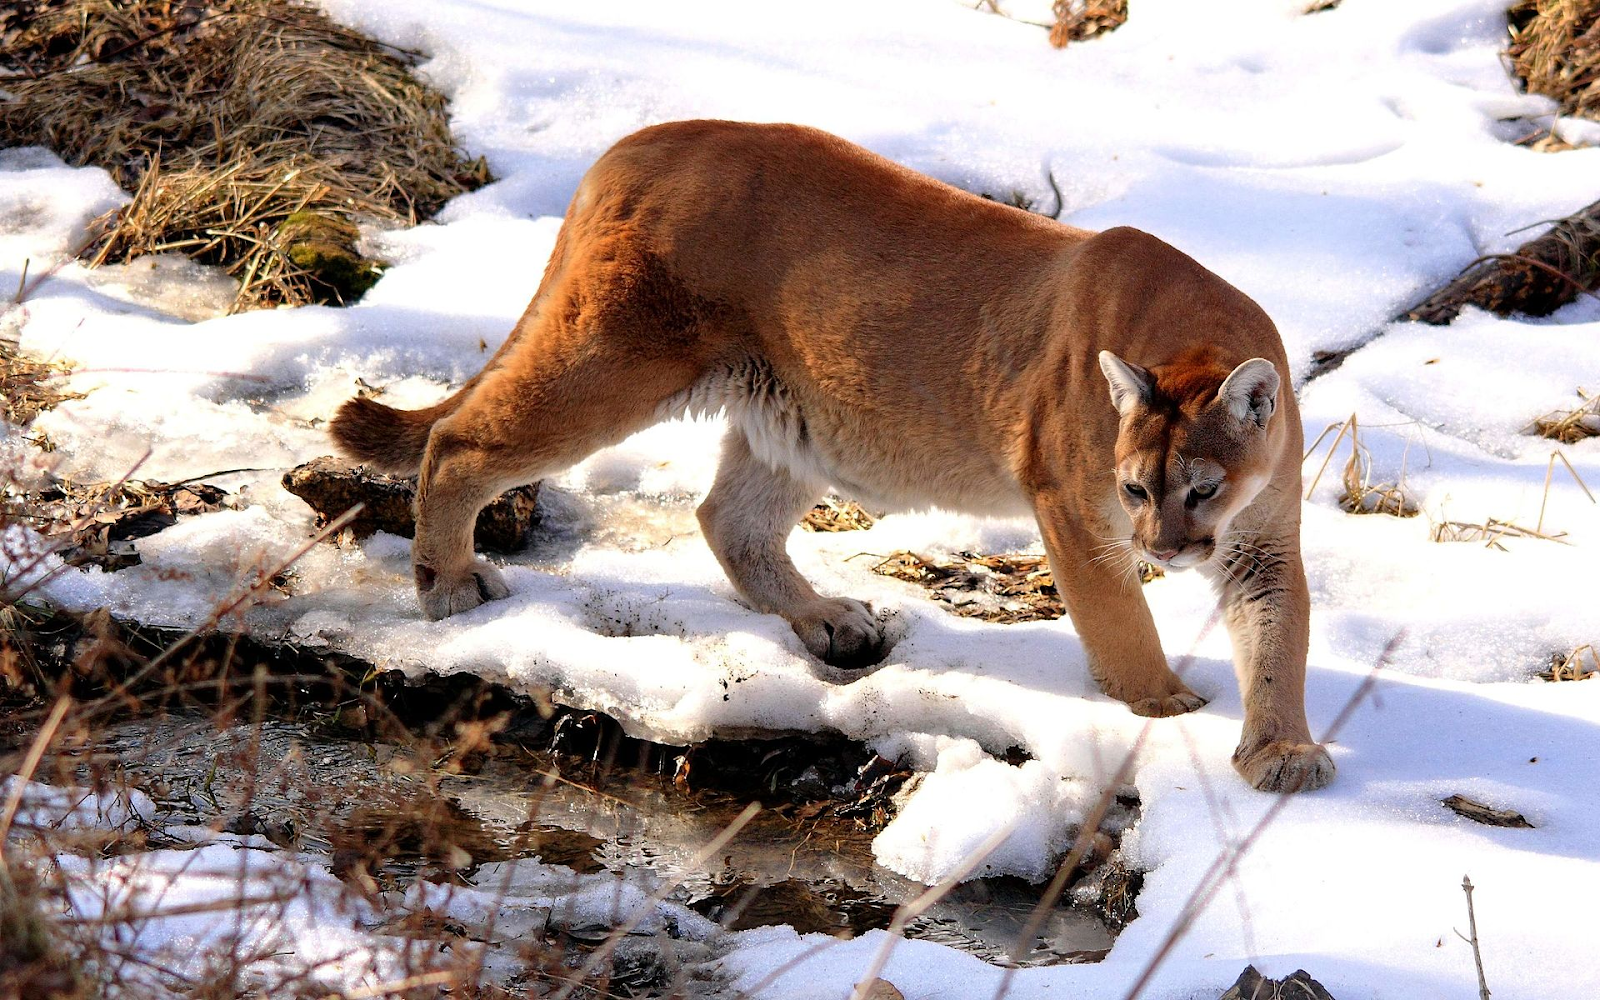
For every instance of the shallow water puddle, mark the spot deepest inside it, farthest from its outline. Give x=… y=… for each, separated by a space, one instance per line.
x=384 y=817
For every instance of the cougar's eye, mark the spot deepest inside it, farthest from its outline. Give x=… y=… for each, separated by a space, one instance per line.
x=1136 y=491
x=1204 y=491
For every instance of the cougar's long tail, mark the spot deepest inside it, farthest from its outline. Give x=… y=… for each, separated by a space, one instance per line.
x=385 y=438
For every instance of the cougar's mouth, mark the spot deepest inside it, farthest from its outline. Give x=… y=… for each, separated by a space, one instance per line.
x=1186 y=556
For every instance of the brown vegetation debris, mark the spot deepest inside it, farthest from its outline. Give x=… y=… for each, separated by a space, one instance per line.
x=29 y=386
x=331 y=486
x=834 y=514
x=1570 y=666
x=1485 y=814
x=253 y=133
x=1361 y=495
x=1492 y=530
x=1540 y=277
x=1077 y=20
x=96 y=523
x=1571 y=426
x=1555 y=51
x=998 y=588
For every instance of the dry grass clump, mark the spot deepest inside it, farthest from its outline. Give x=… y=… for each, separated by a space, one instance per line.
x=1571 y=426
x=835 y=514
x=1570 y=666
x=1555 y=49
x=254 y=133
x=1491 y=531
x=29 y=386
x=1077 y=20
x=1361 y=495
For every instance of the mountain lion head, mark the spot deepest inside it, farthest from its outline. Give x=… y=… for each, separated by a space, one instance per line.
x=1192 y=451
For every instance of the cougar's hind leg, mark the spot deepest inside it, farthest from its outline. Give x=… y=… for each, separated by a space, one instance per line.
x=545 y=408
x=747 y=518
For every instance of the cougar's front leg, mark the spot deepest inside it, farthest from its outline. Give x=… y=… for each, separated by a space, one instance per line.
x=1267 y=608
x=1100 y=588
x=747 y=518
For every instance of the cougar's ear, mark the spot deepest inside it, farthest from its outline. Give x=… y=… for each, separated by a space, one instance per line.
x=1251 y=392
x=1130 y=385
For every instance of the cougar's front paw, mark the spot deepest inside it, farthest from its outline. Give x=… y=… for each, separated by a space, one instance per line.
x=1172 y=704
x=443 y=595
x=1283 y=765
x=841 y=633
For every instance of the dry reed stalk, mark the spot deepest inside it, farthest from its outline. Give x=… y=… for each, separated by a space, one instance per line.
x=1472 y=926
x=1493 y=529
x=1571 y=426
x=1570 y=667
x=253 y=133
x=1490 y=532
x=1361 y=495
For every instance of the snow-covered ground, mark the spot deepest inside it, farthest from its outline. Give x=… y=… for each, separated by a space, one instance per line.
x=1335 y=166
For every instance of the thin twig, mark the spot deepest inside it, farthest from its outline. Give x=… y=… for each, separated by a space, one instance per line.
x=1332 y=449
x=904 y=915
x=1227 y=861
x=1472 y=925
x=1089 y=827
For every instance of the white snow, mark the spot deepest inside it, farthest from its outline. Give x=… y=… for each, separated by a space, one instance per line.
x=1335 y=166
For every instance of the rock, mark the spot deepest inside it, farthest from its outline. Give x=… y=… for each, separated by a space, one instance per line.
x=1487 y=815
x=1252 y=985
x=324 y=246
x=332 y=486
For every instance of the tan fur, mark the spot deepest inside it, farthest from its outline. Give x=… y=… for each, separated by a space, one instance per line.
x=913 y=345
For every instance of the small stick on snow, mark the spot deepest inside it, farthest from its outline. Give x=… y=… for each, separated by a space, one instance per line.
x=1472 y=925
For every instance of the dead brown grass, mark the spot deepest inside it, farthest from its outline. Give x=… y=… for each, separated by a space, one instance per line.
x=29 y=386
x=253 y=133
x=1361 y=495
x=835 y=514
x=1555 y=50
x=1572 y=425
x=1491 y=532
x=1571 y=666
x=1077 y=20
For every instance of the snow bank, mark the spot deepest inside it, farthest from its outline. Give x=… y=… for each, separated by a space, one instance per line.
x=1335 y=166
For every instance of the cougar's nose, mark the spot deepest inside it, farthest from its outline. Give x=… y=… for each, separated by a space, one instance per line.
x=1163 y=554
